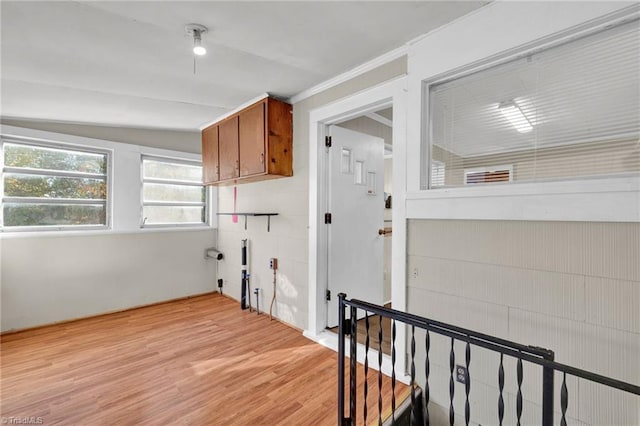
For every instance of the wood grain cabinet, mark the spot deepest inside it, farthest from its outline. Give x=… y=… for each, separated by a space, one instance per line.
x=210 y=154
x=228 y=150
x=252 y=145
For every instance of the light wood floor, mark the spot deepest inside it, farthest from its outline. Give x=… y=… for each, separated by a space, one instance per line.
x=199 y=361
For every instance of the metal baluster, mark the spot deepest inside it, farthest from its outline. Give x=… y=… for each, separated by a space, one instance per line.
x=354 y=364
x=564 y=399
x=547 y=390
x=501 y=387
x=413 y=373
x=366 y=365
x=467 y=385
x=380 y=370
x=519 y=395
x=452 y=365
x=427 y=345
x=342 y=310
x=393 y=372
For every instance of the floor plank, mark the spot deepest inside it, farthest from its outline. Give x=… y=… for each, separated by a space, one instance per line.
x=194 y=361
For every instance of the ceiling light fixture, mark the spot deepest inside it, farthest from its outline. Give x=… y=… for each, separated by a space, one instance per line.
x=196 y=31
x=516 y=117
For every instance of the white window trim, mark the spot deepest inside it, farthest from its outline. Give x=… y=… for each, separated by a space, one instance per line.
x=143 y=180
x=614 y=199
x=607 y=198
x=124 y=168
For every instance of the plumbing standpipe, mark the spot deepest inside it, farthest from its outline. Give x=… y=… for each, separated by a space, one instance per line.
x=245 y=278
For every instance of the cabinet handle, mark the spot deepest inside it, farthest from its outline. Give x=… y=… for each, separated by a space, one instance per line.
x=262 y=158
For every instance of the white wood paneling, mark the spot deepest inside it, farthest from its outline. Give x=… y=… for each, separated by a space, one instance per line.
x=561 y=285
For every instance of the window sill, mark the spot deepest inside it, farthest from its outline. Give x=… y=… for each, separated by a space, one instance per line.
x=611 y=199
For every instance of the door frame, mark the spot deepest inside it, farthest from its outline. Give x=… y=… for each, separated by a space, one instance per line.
x=392 y=93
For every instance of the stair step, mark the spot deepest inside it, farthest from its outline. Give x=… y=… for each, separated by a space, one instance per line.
x=403 y=409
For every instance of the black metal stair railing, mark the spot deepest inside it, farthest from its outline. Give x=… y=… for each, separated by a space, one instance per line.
x=419 y=413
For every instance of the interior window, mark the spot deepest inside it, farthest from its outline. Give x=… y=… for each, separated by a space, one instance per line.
x=570 y=111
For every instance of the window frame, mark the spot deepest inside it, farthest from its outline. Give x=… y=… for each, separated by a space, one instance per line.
x=108 y=177
x=172 y=160
x=533 y=48
x=572 y=199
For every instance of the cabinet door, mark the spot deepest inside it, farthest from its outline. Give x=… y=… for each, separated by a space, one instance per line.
x=228 y=149
x=210 y=159
x=252 y=141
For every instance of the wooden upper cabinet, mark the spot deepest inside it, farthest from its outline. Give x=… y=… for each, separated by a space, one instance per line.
x=254 y=144
x=228 y=148
x=210 y=158
x=252 y=140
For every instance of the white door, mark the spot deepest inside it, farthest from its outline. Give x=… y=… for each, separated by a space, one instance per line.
x=356 y=204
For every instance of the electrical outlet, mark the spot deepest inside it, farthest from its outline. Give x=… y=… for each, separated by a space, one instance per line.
x=461 y=374
x=273 y=263
x=414 y=273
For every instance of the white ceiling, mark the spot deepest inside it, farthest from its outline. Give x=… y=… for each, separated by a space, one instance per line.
x=130 y=64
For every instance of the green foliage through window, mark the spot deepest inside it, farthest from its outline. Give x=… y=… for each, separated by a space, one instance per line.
x=47 y=186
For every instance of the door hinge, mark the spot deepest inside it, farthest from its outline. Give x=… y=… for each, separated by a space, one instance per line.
x=327 y=218
x=327 y=141
x=328 y=295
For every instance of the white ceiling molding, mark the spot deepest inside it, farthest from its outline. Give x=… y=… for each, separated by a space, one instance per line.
x=235 y=110
x=380 y=119
x=352 y=73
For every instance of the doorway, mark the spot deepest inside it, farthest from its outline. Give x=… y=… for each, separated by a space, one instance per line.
x=383 y=96
x=359 y=182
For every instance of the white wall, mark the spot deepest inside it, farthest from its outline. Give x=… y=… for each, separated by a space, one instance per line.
x=571 y=285
x=48 y=277
x=289 y=197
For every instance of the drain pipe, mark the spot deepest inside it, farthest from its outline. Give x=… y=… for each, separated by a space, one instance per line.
x=273 y=264
x=245 y=278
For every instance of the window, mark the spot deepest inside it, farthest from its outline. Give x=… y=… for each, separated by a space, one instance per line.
x=172 y=193
x=565 y=112
x=53 y=186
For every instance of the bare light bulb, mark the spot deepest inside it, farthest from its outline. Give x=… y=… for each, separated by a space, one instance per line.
x=198 y=48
